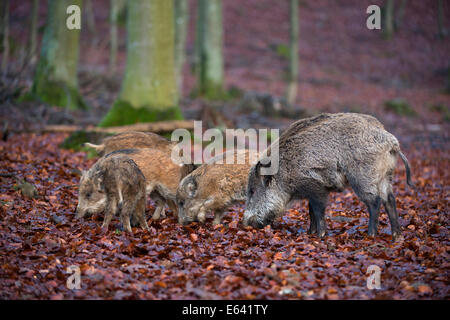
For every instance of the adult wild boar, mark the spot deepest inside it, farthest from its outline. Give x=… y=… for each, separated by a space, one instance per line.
x=114 y=184
x=322 y=154
x=132 y=140
x=214 y=186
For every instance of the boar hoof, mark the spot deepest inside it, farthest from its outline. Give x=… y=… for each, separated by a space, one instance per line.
x=312 y=230
x=321 y=233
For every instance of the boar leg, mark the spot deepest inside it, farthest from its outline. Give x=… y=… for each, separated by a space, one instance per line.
x=218 y=215
x=391 y=210
x=172 y=205
x=159 y=202
x=111 y=210
x=374 y=209
x=312 y=223
x=140 y=213
x=318 y=207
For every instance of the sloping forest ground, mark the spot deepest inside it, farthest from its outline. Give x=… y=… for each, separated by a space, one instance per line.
x=344 y=67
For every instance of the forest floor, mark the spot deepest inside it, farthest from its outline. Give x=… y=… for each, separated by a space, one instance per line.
x=344 y=67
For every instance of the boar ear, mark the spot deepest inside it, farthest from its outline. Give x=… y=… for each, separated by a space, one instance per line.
x=265 y=179
x=98 y=180
x=191 y=188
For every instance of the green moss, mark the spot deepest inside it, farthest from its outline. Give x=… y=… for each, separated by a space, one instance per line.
x=441 y=108
x=282 y=50
x=76 y=139
x=216 y=93
x=400 y=106
x=57 y=94
x=123 y=113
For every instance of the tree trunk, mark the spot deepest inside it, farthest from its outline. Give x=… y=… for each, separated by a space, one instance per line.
x=5 y=36
x=209 y=59
x=181 y=23
x=442 y=31
x=149 y=89
x=400 y=14
x=90 y=20
x=55 y=81
x=389 y=19
x=293 y=52
x=34 y=30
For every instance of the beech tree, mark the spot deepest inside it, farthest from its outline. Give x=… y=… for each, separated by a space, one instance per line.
x=293 y=52
x=209 y=58
x=181 y=21
x=55 y=81
x=149 y=89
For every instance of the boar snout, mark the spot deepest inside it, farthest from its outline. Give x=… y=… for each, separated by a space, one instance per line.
x=252 y=221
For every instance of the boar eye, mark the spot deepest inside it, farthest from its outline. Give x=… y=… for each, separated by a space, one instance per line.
x=181 y=203
x=88 y=195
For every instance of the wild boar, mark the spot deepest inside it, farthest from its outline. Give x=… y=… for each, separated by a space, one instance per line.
x=323 y=154
x=213 y=187
x=114 y=184
x=132 y=140
x=162 y=176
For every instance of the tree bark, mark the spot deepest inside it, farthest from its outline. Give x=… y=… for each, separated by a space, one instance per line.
x=34 y=30
x=149 y=89
x=5 y=36
x=389 y=19
x=209 y=57
x=55 y=81
x=181 y=23
x=442 y=31
x=293 y=52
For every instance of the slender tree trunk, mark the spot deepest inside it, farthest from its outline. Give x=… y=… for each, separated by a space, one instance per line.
x=149 y=89
x=34 y=30
x=55 y=81
x=442 y=31
x=389 y=19
x=400 y=14
x=293 y=52
x=90 y=20
x=181 y=22
x=209 y=58
x=5 y=38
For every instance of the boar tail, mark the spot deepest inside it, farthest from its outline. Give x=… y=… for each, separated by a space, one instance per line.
x=408 y=170
x=98 y=147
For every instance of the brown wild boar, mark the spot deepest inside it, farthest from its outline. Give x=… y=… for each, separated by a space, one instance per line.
x=213 y=187
x=132 y=140
x=323 y=154
x=162 y=176
x=114 y=184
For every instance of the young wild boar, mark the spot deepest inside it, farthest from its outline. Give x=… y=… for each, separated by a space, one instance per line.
x=132 y=140
x=213 y=187
x=322 y=154
x=162 y=175
x=114 y=184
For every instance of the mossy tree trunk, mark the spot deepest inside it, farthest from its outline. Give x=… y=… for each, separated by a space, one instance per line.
x=442 y=31
x=5 y=34
x=55 y=81
x=34 y=30
x=209 y=58
x=181 y=21
x=389 y=19
x=149 y=89
x=293 y=52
